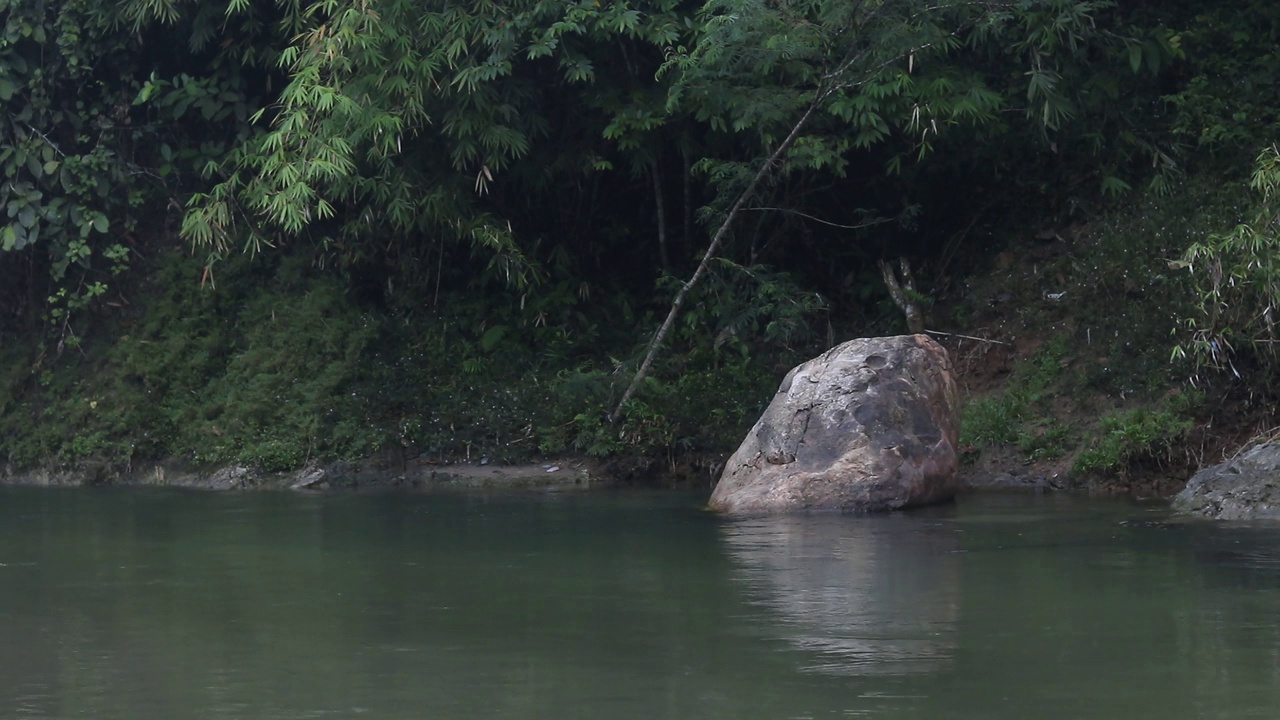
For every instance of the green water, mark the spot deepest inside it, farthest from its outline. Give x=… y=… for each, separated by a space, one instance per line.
x=141 y=605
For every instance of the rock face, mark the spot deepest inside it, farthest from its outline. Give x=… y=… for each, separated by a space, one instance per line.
x=1244 y=488
x=870 y=425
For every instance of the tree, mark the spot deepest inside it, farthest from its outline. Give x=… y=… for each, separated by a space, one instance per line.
x=813 y=82
x=401 y=121
x=97 y=138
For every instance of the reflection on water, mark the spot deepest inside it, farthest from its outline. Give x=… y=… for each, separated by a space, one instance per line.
x=154 y=605
x=865 y=595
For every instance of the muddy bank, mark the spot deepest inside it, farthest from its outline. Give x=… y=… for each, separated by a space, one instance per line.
x=992 y=472
x=389 y=470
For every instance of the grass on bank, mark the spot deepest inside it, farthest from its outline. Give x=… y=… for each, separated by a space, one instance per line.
x=1104 y=390
x=280 y=366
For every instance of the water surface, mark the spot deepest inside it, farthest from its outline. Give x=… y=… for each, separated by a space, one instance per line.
x=140 y=605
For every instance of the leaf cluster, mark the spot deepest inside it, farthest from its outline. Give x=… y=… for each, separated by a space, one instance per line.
x=1236 y=275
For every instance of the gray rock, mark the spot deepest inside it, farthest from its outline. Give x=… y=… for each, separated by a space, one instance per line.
x=310 y=477
x=1246 y=487
x=869 y=425
x=234 y=477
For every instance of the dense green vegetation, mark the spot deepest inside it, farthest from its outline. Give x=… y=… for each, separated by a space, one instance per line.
x=277 y=232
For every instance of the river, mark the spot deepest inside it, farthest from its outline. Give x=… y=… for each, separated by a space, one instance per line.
x=149 y=604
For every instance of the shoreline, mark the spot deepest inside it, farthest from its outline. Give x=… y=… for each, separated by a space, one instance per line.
x=388 y=470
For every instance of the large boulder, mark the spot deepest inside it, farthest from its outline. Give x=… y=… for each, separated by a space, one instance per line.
x=870 y=425
x=1246 y=487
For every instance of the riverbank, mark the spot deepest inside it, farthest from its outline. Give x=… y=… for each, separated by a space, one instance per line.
x=282 y=375
x=388 y=470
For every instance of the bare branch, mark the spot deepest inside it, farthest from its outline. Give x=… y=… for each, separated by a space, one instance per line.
x=870 y=223
x=966 y=337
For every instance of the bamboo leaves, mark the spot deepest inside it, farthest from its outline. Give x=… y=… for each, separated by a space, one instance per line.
x=378 y=93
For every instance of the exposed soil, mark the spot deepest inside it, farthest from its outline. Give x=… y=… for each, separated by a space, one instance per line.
x=1023 y=301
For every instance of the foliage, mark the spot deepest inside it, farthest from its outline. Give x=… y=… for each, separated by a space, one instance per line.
x=1236 y=41
x=1125 y=437
x=756 y=303
x=96 y=141
x=61 y=142
x=464 y=214
x=705 y=408
x=1124 y=291
x=398 y=121
x=824 y=68
x=1089 y=79
x=1108 y=297
x=757 y=68
x=265 y=372
x=1015 y=416
x=1237 y=282
x=1020 y=416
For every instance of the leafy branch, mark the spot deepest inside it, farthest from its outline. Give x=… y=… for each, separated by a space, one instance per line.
x=849 y=41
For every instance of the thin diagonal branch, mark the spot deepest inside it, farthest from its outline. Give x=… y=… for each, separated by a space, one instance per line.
x=870 y=223
x=765 y=169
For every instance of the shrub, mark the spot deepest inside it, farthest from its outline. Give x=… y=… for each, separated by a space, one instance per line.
x=1126 y=437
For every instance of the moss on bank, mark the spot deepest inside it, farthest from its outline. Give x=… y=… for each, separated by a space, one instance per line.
x=280 y=364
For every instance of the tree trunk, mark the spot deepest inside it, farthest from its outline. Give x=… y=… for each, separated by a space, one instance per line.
x=662 y=215
x=688 y=199
x=904 y=293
